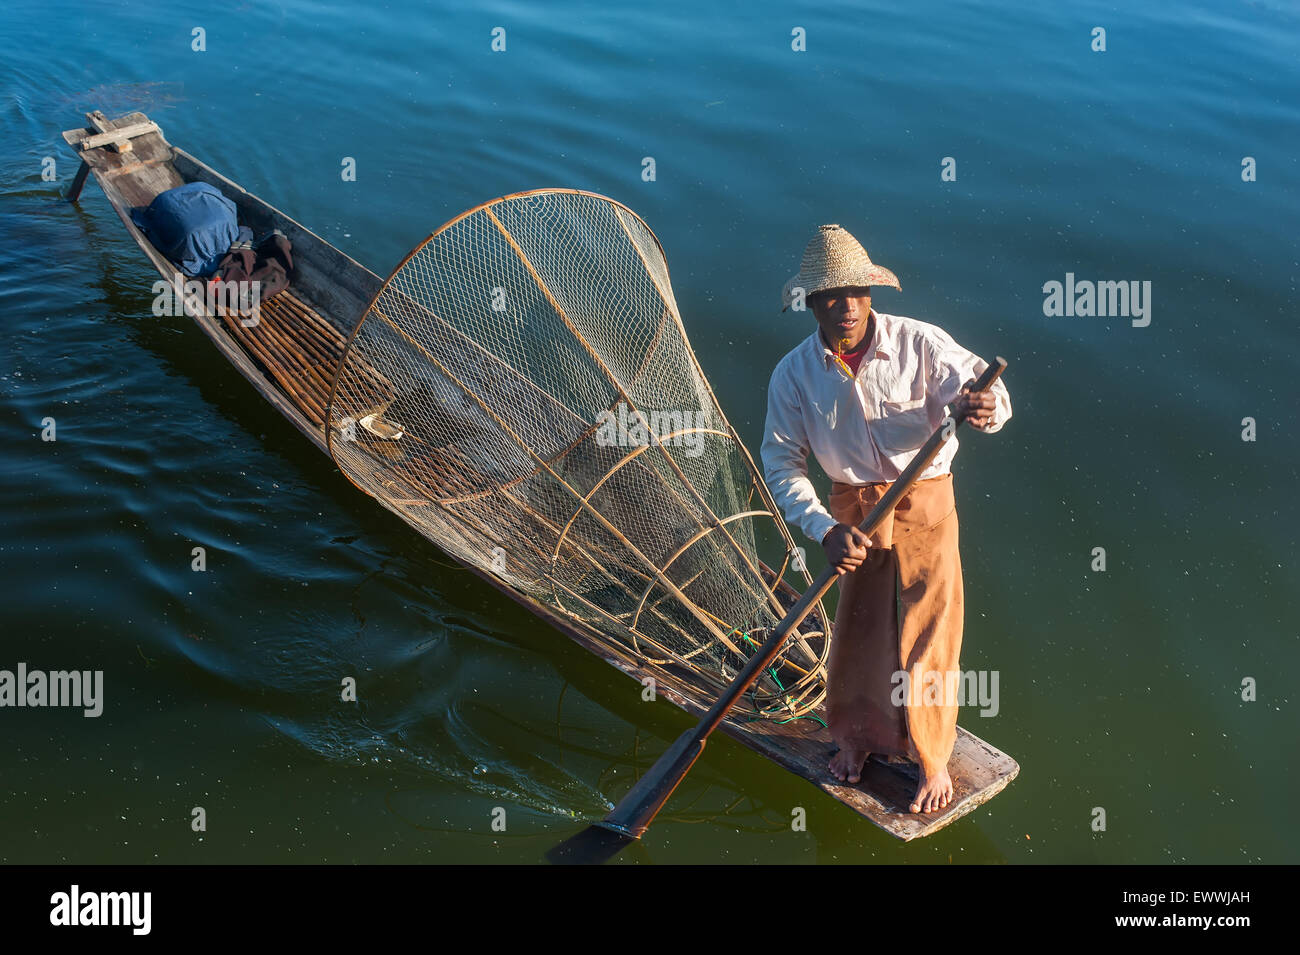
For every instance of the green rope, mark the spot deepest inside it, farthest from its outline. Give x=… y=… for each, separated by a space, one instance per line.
x=775 y=679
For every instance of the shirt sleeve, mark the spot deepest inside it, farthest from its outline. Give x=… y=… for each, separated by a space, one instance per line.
x=785 y=460
x=951 y=366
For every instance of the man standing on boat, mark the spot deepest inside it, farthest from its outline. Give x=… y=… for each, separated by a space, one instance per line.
x=863 y=393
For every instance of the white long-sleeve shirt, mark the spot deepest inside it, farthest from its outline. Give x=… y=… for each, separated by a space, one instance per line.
x=868 y=428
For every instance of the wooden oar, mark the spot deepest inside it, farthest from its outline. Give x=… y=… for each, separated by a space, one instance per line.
x=635 y=811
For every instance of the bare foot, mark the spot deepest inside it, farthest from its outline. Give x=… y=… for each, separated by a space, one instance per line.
x=846 y=764
x=933 y=793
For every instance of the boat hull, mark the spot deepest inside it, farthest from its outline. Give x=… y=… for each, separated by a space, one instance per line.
x=287 y=360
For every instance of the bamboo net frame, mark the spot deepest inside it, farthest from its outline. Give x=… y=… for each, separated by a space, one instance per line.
x=545 y=419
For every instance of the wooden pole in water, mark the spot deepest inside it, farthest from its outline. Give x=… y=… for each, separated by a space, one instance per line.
x=635 y=811
x=79 y=181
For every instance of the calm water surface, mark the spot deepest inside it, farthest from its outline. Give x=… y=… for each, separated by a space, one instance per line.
x=1119 y=690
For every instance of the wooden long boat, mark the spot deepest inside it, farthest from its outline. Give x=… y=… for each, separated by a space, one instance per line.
x=291 y=356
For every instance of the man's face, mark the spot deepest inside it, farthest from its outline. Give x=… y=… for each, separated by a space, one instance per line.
x=843 y=314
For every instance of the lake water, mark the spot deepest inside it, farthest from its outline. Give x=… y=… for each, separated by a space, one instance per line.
x=1120 y=689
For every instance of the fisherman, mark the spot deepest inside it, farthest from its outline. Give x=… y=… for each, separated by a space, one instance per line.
x=863 y=392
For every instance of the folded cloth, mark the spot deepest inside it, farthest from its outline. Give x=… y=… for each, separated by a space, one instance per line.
x=193 y=225
x=269 y=263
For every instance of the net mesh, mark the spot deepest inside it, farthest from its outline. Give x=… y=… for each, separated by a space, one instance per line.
x=522 y=392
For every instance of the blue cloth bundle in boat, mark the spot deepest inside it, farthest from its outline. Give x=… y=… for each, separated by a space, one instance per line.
x=193 y=225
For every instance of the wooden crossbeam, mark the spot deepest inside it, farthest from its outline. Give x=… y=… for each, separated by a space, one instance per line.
x=118 y=140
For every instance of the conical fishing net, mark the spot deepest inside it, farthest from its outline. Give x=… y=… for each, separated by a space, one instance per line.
x=522 y=392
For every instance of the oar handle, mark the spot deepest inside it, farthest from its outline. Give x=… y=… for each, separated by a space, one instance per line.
x=635 y=811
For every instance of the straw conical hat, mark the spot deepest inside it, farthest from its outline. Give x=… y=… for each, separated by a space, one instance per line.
x=834 y=259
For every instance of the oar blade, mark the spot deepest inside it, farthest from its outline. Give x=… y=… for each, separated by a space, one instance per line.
x=592 y=846
x=632 y=816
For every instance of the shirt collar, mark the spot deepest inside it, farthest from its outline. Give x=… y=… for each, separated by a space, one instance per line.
x=881 y=345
